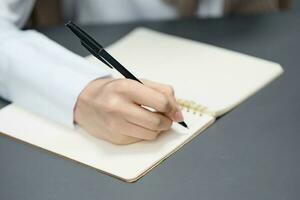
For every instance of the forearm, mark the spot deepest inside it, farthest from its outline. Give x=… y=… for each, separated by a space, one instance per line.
x=42 y=76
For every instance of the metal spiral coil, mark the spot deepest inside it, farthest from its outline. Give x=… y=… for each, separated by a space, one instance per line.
x=191 y=106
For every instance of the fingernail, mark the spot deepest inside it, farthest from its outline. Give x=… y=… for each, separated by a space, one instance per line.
x=178 y=116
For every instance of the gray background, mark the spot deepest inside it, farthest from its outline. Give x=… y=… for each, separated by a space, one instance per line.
x=250 y=153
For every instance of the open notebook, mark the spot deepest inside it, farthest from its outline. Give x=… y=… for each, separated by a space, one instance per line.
x=208 y=81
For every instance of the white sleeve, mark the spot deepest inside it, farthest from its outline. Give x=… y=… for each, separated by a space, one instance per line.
x=211 y=8
x=37 y=73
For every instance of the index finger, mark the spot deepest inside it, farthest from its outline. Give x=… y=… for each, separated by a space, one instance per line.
x=146 y=96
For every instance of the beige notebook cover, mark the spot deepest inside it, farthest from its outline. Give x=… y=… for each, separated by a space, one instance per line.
x=208 y=82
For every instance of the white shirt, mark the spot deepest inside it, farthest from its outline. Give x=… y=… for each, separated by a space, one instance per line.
x=44 y=77
x=116 y=11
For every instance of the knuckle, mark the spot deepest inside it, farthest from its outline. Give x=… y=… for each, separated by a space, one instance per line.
x=118 y=85
x=123 y=85
x=165 y=104
x=120 y=140
x=162 y=123
x=112 y=105
x=151 y=136
x=168 y=124
x=170 y=90
x=157 y=123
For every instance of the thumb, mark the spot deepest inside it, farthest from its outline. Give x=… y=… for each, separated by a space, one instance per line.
x=175 y=114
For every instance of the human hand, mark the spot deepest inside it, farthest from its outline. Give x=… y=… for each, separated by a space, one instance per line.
x=111 y=109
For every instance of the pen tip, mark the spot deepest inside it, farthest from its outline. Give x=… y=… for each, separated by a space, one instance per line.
x=183 y=124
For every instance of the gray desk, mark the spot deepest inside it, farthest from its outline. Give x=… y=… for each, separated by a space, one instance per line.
x=251 y=153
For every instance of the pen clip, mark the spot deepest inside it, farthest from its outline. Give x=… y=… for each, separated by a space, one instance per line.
x=92 y=51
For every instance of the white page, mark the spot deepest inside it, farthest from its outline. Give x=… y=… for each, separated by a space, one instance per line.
x=218 y=78
x=127 y=162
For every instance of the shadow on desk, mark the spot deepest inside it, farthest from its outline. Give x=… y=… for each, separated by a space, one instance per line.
x=3 y=103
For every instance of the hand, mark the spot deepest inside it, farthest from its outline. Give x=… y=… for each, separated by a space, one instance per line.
x=114 y=110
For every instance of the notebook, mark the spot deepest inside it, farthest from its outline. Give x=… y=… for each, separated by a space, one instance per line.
x=208 y=81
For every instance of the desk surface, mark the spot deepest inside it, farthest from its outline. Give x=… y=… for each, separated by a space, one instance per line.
x=252 y=152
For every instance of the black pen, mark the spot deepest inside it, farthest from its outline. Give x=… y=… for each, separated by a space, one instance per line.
x=99 y=52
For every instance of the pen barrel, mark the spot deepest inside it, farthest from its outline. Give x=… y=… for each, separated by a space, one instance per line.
x=113 y=62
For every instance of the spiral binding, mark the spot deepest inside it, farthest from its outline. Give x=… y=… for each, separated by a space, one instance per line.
x=191 y=106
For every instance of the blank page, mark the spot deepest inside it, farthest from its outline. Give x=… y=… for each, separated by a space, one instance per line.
x=127 y=162
x=218 y=78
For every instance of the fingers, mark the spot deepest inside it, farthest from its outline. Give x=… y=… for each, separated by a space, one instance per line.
x=146 y=96
x=121 y=139
x=130 y=133
x=135 y=131
x=169 y=92
x=114 y=137
x=139 y=123
x=166 y=89
x=151 y=120
x=159 y=101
